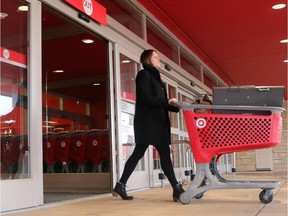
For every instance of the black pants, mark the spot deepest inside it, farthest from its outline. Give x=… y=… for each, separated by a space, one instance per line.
x=138 y=153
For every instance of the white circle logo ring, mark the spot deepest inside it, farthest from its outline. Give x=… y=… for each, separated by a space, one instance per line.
x=78 y=143
x=201 y=123
x=63 y=144
x=94 y=143
x=6 y=53
x=88 y=7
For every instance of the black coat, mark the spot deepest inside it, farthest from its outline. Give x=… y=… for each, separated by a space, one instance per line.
x=151 y=121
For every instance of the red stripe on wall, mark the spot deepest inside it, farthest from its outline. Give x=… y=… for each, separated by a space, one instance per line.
x=13 y=56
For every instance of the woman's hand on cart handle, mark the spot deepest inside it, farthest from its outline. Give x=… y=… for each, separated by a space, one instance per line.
x=173 y=102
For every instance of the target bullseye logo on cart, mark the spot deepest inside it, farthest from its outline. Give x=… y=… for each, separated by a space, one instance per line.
x=94 y=143
x=63 y=144
x=201 y=123
x=88 y=7
x=78 y=143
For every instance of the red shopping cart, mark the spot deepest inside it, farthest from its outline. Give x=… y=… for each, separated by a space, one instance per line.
x=48 y=142
x=77 y=151
x=93 y=152
x=10 y=153
x=62 y=152
x=213 y=134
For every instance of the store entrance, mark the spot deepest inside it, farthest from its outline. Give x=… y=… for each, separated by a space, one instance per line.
x=75 y=101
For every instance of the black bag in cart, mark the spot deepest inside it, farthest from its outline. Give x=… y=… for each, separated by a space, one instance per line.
x=248 y=96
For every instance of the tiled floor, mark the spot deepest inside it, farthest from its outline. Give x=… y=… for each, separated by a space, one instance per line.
x=158 y=201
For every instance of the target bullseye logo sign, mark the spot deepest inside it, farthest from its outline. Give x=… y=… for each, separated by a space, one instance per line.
x=92 y=8
x=6 y=53
x=88 y=7
x=201 y=123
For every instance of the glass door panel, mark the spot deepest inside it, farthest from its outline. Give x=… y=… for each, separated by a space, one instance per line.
x=129 y=67
x=75 y=104
x=13 y=92
x=18 y=94
x=172 y=93
x=128 y=71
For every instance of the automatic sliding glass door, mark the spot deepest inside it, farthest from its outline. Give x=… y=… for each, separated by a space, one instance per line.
x=129 y=67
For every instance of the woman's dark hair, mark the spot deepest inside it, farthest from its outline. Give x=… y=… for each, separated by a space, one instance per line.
x=145 y=57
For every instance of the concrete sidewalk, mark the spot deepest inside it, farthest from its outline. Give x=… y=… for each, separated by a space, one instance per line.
x=158 y=201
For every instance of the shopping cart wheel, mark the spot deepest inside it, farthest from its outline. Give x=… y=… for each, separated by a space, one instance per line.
x=266 y=196
x=88 y=166
x=199 y=196
x=184 y=199
x=72 y=166
x=58 y=167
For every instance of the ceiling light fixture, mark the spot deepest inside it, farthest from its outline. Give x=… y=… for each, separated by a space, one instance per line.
x=58 y=71
x=9 y=121
x=278 y=6
x=87 y=41
x=286 y=61
x=51 y=122
x=23 y=8
x=126 y=61
x=48 y=126
x=284 y=41
x=96 y=84
x=3 y=15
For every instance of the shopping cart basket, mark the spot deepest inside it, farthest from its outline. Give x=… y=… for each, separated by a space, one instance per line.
x=212 y=134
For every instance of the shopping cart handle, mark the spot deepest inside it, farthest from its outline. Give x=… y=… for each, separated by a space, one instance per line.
x=187 y=106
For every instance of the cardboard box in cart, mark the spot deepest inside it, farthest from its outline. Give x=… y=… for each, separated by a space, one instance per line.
x=248 y=96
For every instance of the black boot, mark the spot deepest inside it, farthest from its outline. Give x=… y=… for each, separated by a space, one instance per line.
x=120 y=189
x=177 y=190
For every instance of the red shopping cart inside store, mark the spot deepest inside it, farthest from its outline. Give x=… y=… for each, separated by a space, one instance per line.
x=215 y=133
x=13 y=149
x=21 y=146
x=48 y=142
x=105 y=150
x=77 y=151
x=62 y=152
x=93 y=152
x=9 y=155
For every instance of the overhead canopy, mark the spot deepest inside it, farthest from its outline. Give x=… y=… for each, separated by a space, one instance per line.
x=239 y=40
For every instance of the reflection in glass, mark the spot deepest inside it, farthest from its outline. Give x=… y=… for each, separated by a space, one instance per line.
x=175 y=151
x=125 y=14
x=14 y=92
x=173 y=115
x=128 y=70
x=158 y=39
x=190 y=64
x=187 y=160
x=181 y=116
